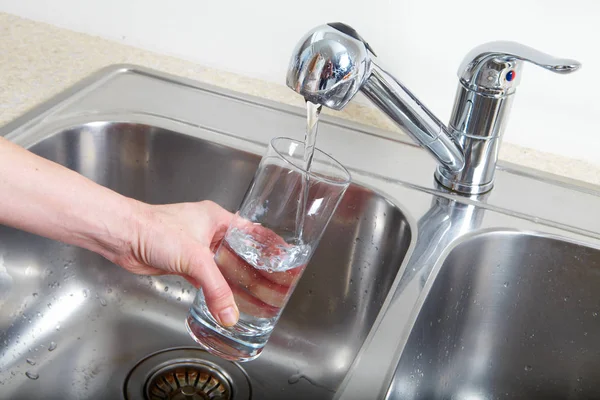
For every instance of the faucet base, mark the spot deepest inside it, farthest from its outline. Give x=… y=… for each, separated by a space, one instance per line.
x=461 y=187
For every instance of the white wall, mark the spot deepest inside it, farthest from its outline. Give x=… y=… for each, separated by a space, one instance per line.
x=423 y=42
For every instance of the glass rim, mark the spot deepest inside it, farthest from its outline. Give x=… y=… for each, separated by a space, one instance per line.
x=331 y=181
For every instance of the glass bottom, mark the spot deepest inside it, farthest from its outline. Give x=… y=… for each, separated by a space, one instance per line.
x=221 y=345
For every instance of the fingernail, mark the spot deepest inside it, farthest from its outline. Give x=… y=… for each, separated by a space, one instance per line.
x=229 y=316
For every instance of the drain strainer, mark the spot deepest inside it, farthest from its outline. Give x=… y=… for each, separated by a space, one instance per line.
x=186 y=374
x=188 y=381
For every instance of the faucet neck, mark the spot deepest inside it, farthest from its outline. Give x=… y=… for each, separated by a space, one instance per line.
x=398 y=103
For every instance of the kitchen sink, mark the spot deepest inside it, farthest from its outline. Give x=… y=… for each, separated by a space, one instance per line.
x=414 y=292
x=73 y=325
x=508 y=315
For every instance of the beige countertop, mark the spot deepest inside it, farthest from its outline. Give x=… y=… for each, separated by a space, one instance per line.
x=38 y=60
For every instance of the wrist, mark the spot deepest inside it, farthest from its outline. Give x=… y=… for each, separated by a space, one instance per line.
x=119 y=234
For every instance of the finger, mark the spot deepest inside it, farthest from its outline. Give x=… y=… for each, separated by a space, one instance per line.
x=283 y=278
x=191 y=280
x=243 y=275
x=272 y=245
x=143 y=269
x=220 y=216
x=217 y=293
x=250 y=305
x=215 y=245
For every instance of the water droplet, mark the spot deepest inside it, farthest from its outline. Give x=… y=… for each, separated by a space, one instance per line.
x=35 y=294
x=52 y=346
x=49 y=305
x=32 y=375
x=58 y=327
x=85 y=293
x=594 y=314
x=102 y=302
x=506 y=284
x=528 y=368
x=166 y=288
x=30 y=361
x=179 y=299
x=109 y=290
x=39 y=314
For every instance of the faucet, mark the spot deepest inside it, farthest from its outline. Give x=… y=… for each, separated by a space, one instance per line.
x=332 y=63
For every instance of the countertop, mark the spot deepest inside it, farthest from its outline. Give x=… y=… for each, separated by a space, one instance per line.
x=38 y=60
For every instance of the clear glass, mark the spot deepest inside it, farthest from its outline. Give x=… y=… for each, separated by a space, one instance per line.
x=268 y=245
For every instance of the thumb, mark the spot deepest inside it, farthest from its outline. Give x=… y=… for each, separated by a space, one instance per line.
x=218 y=295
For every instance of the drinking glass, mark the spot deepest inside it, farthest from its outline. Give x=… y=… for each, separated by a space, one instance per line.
x=268 y=245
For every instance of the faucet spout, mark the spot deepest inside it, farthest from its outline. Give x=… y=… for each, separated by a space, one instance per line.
x=332 y=63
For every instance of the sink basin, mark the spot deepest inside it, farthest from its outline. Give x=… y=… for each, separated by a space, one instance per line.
x=73 y=325
x=509 y=315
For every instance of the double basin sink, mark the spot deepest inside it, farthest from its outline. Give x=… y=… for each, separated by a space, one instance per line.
x=413 y=293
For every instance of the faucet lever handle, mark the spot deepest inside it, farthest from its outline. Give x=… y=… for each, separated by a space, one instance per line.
x=494 y=68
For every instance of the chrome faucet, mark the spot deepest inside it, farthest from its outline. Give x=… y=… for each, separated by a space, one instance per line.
x=332 y=62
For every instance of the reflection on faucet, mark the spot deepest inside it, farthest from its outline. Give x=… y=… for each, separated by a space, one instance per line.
x=326 y=73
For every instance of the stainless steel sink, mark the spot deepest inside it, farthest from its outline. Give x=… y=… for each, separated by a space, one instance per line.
x=104 y=320
x=509 y=315
x=414 y=292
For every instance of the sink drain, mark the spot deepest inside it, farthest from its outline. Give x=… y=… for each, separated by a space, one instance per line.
x=186 y=374
x=187 y=381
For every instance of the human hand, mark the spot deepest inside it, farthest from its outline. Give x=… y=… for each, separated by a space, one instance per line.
x=180 y=239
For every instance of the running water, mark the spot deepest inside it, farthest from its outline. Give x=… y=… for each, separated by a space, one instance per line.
x=310 y=138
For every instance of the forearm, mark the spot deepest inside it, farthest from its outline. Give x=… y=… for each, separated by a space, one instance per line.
x=45 y=198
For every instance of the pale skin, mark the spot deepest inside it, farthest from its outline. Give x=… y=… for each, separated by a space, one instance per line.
x=47 y=199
